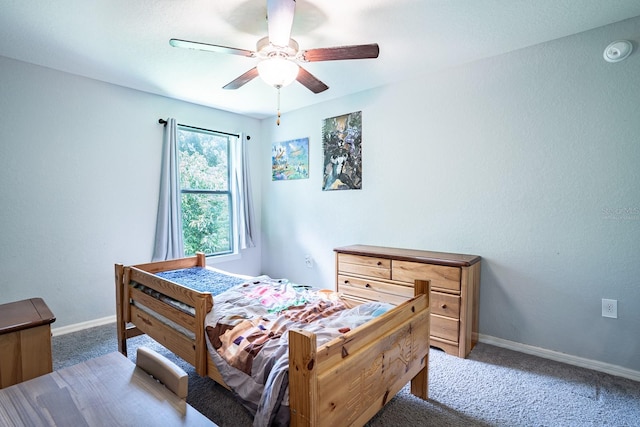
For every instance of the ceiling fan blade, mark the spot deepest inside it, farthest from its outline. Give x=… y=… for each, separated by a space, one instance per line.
x=309 y=81
x=280 y=20
x=186 y=44
x=360 y=51
x=243 y=79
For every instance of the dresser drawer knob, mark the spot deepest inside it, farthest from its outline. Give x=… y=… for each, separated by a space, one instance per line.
x=443 y=305
x=346 y=281
x=379 y=263
x=367 y=285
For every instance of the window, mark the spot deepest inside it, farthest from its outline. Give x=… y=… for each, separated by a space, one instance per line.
x=206 y=167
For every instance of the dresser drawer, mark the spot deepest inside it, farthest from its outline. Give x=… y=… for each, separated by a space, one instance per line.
x=364 y=266
x=371 y=293
x=372 y=285
x=444 y=327
x=445 y=304
x=440 y=276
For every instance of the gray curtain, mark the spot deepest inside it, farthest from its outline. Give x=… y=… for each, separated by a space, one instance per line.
x=168 y=243
x=244 y=200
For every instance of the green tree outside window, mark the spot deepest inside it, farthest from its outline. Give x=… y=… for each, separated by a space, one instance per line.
x=205 y=174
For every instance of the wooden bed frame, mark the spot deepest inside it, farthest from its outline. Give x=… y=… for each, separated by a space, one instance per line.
x=344 y=382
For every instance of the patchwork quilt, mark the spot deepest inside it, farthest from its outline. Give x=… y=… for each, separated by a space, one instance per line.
x=248 y=340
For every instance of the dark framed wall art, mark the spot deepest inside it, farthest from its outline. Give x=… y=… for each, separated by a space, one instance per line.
x=342 y=148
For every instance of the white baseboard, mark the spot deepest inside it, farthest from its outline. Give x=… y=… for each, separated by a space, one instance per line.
x=83 y=325
x=562 y=357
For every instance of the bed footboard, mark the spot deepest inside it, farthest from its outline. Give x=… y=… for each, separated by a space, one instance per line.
x=348 y=380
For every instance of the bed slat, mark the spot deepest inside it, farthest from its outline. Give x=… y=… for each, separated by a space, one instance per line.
x=183 y=319
x=168 y=337
x=169 y=288
x=198 y=260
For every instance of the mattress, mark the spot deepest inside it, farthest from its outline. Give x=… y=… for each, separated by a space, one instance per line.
x=201 y=279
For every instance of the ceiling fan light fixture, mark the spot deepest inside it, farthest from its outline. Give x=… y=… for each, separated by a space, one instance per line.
x=278 y=71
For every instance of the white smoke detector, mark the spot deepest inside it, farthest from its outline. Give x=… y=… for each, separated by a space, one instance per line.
x=617 y=51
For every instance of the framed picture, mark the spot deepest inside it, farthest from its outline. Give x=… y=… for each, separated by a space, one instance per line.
x=342 y=148
x=290 y=160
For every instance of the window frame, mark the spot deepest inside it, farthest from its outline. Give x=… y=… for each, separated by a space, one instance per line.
x=230 y=192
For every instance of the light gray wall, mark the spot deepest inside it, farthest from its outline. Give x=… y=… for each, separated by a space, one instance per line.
x=79 y=173
x=530 y=159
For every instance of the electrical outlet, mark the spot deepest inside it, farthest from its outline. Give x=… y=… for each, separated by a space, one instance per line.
x=610 y=308
x=308 y=261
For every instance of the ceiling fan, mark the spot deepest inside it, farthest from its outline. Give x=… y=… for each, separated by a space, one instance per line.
x=280 y=55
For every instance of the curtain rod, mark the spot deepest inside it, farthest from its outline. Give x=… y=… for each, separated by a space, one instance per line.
x=164 y=122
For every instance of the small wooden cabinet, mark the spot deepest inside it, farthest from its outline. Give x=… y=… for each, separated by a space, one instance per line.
x=25 y=341
x=365 y=273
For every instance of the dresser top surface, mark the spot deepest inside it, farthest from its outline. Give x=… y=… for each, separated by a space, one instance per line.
x=15 y=316
x=427 y=257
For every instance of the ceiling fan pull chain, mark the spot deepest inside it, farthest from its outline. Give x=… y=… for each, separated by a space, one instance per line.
x=278 y=121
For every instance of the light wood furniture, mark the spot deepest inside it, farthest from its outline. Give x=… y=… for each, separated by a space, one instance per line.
x=106 y=391
x=25 y=340
x=164 y=370
x=387 y=274
x=343 y=382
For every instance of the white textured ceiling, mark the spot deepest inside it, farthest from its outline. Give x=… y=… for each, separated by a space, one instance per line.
x=126 y=42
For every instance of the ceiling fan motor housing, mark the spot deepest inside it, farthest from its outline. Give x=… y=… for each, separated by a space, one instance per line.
x=266 y=50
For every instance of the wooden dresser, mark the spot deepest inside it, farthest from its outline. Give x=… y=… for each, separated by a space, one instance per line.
x=366 y=273
x=25 y=341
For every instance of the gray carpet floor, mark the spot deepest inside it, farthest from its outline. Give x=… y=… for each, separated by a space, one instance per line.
x=493 y=387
